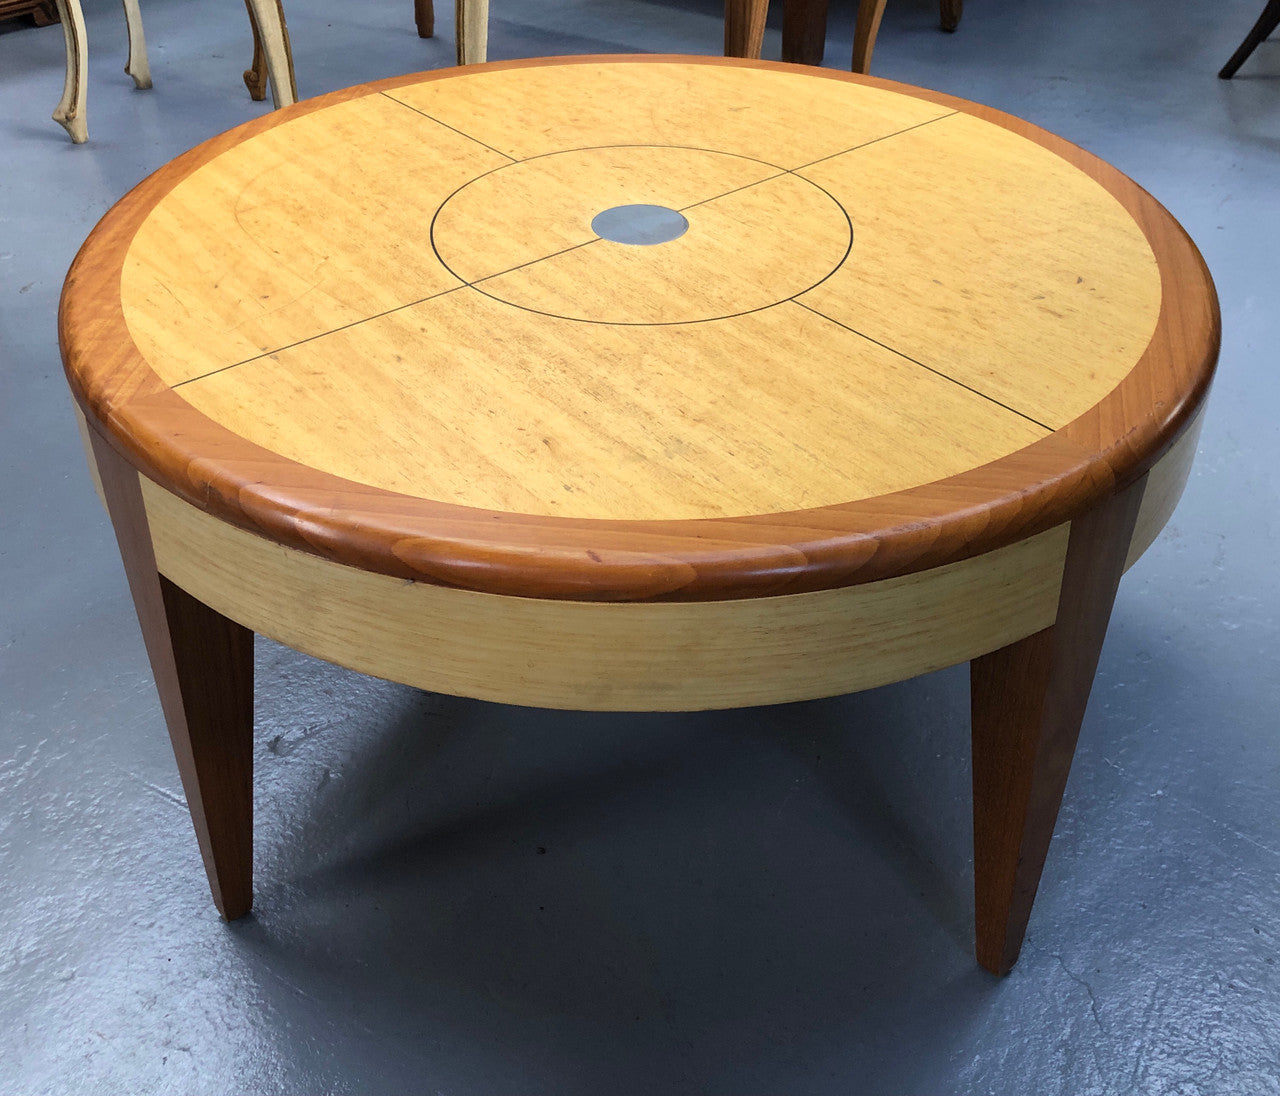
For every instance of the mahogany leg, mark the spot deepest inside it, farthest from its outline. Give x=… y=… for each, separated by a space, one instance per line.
x=203 y=666
x=424 y=16
x=864 y=33
x=744 y=27
x=950 y=13
x=255 y=76
x=804 y=31
x=1028 y=701
x=1267 y=22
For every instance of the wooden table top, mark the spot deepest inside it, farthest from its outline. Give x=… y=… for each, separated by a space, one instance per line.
x=900 y=329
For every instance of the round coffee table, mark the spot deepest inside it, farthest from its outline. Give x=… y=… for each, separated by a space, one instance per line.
x=641 y=383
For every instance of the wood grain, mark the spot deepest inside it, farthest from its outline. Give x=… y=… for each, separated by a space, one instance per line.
x=744 y=27
x=203 y=668
x=1028 y=701
x=686 y=101
x=42 y=12
x=750 y=249
x=610 y=657
x=608 y=422
x=1040 y=287
x=913 y=395
x=954 y=517
x=1164 y=486
x=231 y=266
x=524 y=212
x=865 y=31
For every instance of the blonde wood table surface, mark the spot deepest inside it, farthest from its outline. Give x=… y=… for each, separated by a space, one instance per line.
x=877 y=382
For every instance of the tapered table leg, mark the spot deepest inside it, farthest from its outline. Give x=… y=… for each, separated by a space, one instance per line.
x=744 y=27
x=203 y=667
x=949 y=13
x=804 y=31
x=1028 y=701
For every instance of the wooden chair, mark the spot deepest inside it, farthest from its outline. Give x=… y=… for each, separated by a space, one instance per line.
x=804 y=33
x=271 y=53
x=743 y=27
x=804 y=29
x=1267 y=22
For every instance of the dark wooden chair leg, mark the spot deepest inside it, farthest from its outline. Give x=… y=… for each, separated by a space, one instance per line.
x=203 y=667
x=804 y=31
x=424 y=15
x=1028 y=701
x=744 y=27
x=1267 y=22
x=950 y=13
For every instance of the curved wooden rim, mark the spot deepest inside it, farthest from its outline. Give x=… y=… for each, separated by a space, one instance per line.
x=1049 y=482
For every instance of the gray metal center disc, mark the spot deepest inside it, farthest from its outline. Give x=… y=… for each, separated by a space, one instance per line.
x=639 y=224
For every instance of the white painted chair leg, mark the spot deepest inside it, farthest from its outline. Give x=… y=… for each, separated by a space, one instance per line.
x=269 y=17
x=70 y=111
x=471 y=19
x=137 y=67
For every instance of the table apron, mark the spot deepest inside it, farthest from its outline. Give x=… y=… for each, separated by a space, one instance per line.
x=627 y=656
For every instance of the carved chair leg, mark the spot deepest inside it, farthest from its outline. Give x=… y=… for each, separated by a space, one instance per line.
x=1028 y=701
x=424 y=16
x=255 y=76
x=1267 y=22
x=471 y=23
x=137 y=65
x=70 y=111
x=950 y=13
x=203 y=667
x=271 y=33
x=864 y=34
x=744 y=27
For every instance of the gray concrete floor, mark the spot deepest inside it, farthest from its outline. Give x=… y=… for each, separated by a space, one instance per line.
x=462 y=898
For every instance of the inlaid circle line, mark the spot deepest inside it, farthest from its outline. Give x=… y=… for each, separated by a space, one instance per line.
x=468 y=284
x=640 y=225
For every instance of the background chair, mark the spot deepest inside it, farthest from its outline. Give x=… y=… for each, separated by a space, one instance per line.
x=743 y=27
x=804 y=29
x=1267 y=22
x=271 y=56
